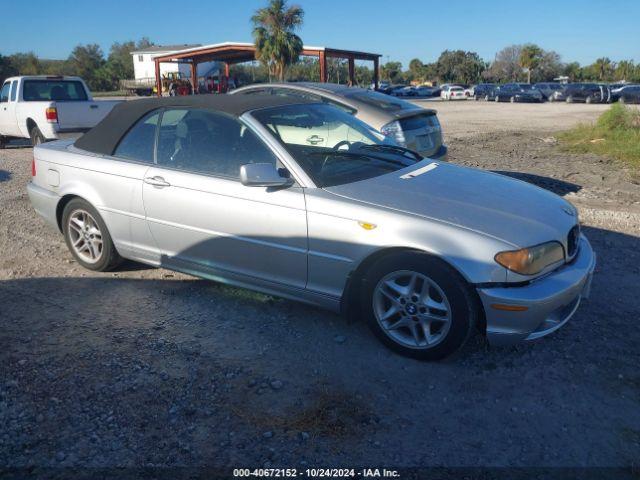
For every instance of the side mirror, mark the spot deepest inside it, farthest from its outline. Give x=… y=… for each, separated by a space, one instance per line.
x=262 y=175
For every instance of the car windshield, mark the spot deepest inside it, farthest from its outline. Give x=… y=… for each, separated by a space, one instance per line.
x=331 y=146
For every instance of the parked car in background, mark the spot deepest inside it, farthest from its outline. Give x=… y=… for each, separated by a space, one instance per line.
x=517 y=92
x=381 y=86
x=422 y=251
x=44 y=108
x=583 y=92
x=616 y=89
x=548 y=89
x=399 y=90
x=408 y=91
x=425 y=91
x=452 y=92
x=409 y=125
x=484 y=91
x=629 y=94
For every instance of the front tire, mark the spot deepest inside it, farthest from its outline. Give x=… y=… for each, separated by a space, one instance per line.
x=418 y=305
x=87 y=237
x=36 y=136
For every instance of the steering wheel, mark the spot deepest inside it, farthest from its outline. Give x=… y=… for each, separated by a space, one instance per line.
x=342 y=143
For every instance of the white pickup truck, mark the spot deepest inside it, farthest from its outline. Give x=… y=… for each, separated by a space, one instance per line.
x=46 y=108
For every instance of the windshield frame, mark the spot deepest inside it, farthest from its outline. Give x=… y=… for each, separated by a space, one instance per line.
x=289 y=160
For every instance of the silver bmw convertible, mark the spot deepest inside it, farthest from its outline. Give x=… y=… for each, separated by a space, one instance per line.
x=301 y=200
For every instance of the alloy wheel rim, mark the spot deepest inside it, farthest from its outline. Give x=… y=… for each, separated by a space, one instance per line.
x=412 y=309
x=85 y=236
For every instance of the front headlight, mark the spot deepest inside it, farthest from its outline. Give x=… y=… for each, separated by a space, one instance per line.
x=532 y=260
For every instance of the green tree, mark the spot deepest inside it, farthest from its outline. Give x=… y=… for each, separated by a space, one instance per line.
x=87 y=61
x=416 y=70
x=277 y=45
x=573 y=71
x=7 y=68
x=391 y=72
x=26 y=63
x=624 y=70
x=530 y=57
x=459 y=66
x=603 y=68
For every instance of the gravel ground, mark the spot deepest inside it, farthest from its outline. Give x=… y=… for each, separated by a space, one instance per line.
x=146 y=367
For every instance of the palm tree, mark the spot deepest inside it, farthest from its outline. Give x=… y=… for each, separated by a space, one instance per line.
x=603 y=67
x=277 y=46
x=530 y=56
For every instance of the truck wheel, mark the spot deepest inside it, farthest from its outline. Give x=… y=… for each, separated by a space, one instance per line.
x=36 y=136
x=87 y=237
x=418 y=305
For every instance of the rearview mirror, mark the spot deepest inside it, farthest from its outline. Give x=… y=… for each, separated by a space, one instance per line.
x=262 y=175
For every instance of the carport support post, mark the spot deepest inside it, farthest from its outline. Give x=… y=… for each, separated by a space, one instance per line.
x=158 y=79
x=376 y=73
x=323 y=67
x=194 y=76
x=226 y=69
x=352 y=71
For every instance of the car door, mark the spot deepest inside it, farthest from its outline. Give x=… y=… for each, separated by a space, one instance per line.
x=204 y=220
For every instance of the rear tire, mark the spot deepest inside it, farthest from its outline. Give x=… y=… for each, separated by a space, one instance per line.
x=87 y=237
x=432 y=316
x=36 y=136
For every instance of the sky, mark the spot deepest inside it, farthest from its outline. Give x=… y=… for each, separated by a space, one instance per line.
x=579 y=30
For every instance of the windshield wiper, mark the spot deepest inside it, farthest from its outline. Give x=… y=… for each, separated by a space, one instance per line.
x=344 y=153
x=392 y=148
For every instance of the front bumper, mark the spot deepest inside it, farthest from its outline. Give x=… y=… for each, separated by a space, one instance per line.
x=550 y=301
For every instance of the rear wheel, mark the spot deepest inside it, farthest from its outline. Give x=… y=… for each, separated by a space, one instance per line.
x=418 y=305
x=87 y=237
x=36 y=136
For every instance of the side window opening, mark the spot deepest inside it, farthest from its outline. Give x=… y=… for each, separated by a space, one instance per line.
x=139 y=142
x=202 y=141
x=4 y=93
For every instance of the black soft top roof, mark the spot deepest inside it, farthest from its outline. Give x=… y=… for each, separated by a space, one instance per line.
x=105 y=136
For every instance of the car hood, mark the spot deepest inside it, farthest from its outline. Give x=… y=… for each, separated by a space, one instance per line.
x=510 y=210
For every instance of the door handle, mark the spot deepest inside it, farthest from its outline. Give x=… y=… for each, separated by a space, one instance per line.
x=157 y=181
x=94 y=106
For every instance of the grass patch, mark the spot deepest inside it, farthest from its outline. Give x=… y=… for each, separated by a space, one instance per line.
x=616 y=135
